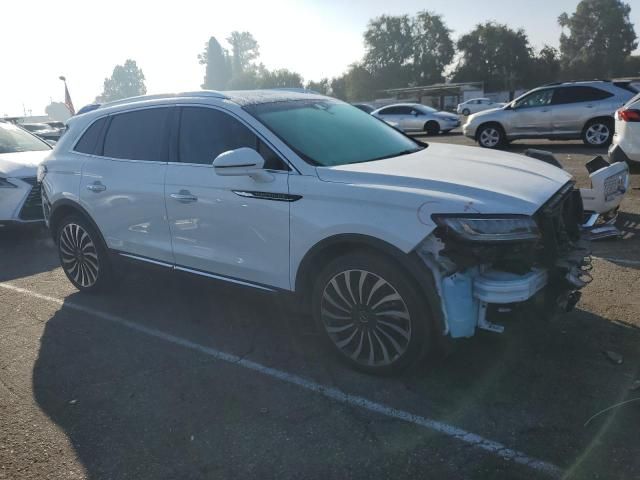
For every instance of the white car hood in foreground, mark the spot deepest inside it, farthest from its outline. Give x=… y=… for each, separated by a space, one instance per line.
x=458 y=179
x=21 y=164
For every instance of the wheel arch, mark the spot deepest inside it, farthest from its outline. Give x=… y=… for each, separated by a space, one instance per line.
x=329 y=248
x=63 y=208
x=603 y=118
x=486 y=124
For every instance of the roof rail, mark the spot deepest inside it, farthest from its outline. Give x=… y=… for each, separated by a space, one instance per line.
x=143 y=98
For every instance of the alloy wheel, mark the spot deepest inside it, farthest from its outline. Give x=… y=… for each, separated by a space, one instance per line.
x=489 y=137
x=79 y=255
x=366 y=318
x=598 y=134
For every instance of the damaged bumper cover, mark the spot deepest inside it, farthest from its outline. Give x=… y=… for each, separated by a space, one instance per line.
x=471 y=277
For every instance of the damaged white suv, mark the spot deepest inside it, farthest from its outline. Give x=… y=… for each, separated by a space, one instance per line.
x=389 y=242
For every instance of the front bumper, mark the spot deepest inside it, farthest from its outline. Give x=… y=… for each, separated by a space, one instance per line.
x=22 y=204
x=469 y=130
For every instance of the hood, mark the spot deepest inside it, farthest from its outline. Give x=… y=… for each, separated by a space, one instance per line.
x=486 y=114
x=21 y=164
x=458 y=179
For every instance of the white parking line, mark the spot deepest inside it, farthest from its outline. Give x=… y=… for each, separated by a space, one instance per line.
x=477 y=441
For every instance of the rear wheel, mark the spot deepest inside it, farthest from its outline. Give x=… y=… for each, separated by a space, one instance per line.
x=491 y=136
x=371 y=314
x=83 y=256
x=598 y=133
x=466 y=112
x=431 y=128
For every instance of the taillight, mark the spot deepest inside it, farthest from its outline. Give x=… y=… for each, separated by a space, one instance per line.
x=629 y=115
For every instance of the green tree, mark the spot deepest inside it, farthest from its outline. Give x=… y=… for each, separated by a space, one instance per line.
x=126 y=81
x=599 y=38
x=545 y=67
x=389 y=50
x=323 y=86
x=244 y=50
x=496 y=55
x=218 y=65
x=433 y=48
x=281 y=78
x=339 y=87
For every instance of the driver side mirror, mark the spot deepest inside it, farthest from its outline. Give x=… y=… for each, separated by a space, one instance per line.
x=239 y=162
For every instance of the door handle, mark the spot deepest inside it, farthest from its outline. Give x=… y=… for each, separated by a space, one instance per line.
x=184 y=196
x=96 y=187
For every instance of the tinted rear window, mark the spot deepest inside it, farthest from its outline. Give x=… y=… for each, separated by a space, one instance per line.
x=139 y=135
x=579 y=94
x=89 y=140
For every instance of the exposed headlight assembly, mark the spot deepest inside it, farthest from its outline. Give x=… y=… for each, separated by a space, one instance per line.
x=4 y=183
x=490 y=228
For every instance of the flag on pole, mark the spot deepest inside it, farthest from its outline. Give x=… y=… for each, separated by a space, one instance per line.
x=67 y=100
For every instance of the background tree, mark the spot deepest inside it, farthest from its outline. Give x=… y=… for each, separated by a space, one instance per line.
x=433 y=48
x=218 y=65
x=244 y=50
x=323 y=86
x=339 y=87
x=389 y=50
x=58 y=111
x=600 y=37
x=126 y=81
x=496 y=55
x=545 y=67
x=281 y=78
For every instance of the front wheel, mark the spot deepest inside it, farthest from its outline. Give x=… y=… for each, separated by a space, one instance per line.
x=598 y=133
x=466 y=112
x=491 y=136
x=432 y=128
x=371 y=314
x=83 y=256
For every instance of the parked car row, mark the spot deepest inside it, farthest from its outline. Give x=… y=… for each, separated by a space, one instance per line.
x=561 y=111
x=49 y=131
x=476 y=105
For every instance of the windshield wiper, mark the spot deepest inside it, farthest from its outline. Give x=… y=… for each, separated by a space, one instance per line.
x=399 y=154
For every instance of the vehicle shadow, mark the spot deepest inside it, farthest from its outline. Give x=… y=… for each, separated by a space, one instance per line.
x=138 y=406
x=26 y=251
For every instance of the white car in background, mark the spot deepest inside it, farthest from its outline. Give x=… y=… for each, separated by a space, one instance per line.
x=417 y=118
x=626 y=140
x=476 y=105
x=20 y=154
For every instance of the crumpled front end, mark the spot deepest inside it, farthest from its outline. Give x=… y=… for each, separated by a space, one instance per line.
x=472 y=277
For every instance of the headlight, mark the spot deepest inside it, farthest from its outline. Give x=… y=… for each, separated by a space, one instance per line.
x=4 y=183
x=490 y=228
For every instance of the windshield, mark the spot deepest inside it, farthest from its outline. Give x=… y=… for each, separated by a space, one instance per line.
x=426 y=109
x=327 y=132
x=14 y=139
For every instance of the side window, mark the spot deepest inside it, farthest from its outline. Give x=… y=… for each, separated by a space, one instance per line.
x=205 y=133
x=535 y=99
x=89 y=139
x=579 y=94
x=388 y=111
x=138 y=135
x=403 y=110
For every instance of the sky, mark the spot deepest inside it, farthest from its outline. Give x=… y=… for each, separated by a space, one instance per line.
x=85 y=39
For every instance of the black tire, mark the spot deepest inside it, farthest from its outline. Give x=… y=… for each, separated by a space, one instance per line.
x=432 y=128
x=491 y=136
x=369 y=338
x=598 y=133
x=466 y=112
x=83 y=255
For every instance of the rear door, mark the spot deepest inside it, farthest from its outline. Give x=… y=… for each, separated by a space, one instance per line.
x=531 y=115
x=573 y=106
x=122 y=184
x=236 y=228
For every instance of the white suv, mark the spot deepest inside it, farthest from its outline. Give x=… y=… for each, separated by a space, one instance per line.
x=389 y=242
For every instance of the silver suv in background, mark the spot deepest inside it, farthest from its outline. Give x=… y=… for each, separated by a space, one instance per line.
x=559 y=111
x=415 y=117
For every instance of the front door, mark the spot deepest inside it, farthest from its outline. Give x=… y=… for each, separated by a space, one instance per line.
x=122 y=184
x=531 y=115
x=236 y=228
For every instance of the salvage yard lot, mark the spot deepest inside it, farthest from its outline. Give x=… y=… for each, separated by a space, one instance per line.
x=133 y=384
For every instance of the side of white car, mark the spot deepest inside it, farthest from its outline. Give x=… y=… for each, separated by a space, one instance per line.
x=626 y=140
x=387 y=241
x=476 y=105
